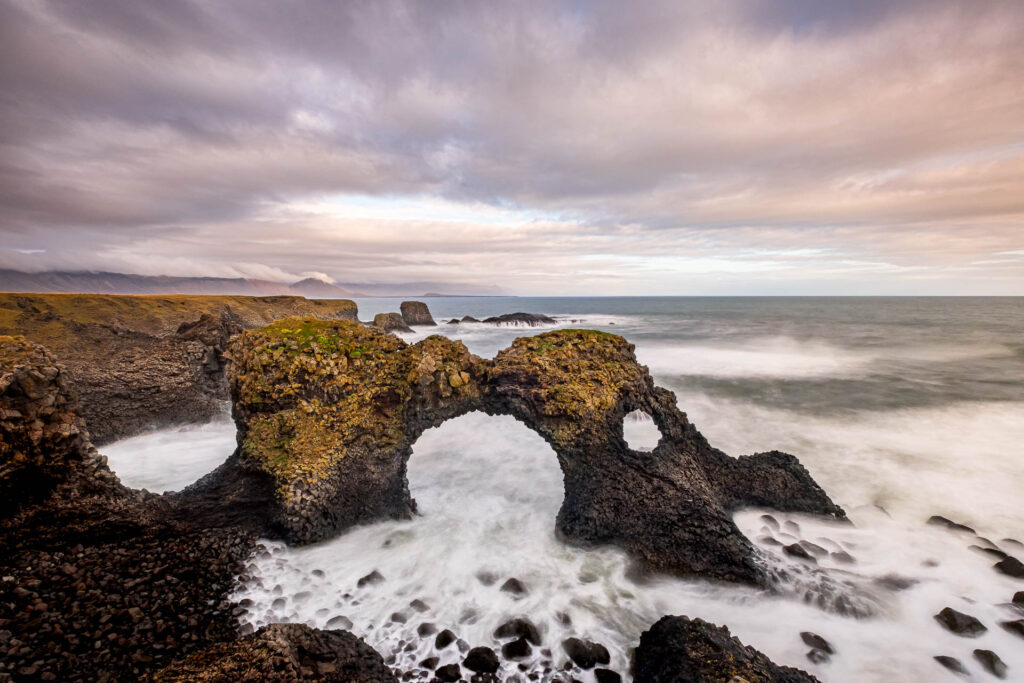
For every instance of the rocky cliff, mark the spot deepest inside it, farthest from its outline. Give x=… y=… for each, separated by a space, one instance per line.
x=327 y=413
x=142 y=361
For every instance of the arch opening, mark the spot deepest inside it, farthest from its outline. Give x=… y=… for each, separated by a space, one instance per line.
x=640 y=431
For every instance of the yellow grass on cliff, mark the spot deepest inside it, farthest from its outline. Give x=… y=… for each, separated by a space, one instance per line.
x=52 y=319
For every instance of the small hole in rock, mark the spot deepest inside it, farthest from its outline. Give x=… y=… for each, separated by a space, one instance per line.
x=640 y=432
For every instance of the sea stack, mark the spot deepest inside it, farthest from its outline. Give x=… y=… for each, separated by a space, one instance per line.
x=416 y=313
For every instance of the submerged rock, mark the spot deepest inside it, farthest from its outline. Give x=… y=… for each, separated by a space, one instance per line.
x=991 y=662
x=960 y=623
x=514 y=586
x=283 y=652
x=520 y=627
x=327 y=412
x=416 y=313
x=692 y=650
x=1016 y=626
x=952 y=663
x=939 y=520
x=817 y=642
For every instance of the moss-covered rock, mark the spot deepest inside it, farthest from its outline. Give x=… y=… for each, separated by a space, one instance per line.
x=328 y=411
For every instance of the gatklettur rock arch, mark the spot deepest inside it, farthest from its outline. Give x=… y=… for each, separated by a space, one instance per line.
x=327 y=412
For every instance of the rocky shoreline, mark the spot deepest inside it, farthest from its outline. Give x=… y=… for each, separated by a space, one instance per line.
x=101 y=582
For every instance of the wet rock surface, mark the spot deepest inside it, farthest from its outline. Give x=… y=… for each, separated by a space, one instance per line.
x=1010 y=566
x=953 y=664
x=283 y=652
x=991 y=662
x=327 y=413
x=680 y=649
x=960 y=623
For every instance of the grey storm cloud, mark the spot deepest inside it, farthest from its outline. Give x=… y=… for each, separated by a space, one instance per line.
x=549 y=144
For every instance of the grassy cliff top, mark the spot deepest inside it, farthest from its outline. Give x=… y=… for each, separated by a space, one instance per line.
x=46 y=318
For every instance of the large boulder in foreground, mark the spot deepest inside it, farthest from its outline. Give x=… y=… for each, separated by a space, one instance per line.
x=391 y=322
x=416 y=313
x=327 y=413
x=42 y=436
x=683 y=650
x=283 y=652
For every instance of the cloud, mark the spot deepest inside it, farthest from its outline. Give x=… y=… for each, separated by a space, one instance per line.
x=547 y=146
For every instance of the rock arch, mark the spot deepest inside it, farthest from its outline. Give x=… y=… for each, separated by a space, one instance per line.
x=327 y=412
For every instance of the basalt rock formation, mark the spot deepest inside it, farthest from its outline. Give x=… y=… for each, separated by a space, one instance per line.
x=416 y=313
x=686 y=650
x=528 y=319
x=283 y=652
x=143 y=361
x=391 y=322
x=327 y=413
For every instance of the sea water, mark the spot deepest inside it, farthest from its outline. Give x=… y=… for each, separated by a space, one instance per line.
x=900 y=408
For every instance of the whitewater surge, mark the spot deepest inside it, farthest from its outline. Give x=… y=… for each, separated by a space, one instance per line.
x=489 y=489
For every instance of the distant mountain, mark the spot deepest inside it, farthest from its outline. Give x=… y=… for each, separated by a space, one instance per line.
x=124 y=283
x=416 y=289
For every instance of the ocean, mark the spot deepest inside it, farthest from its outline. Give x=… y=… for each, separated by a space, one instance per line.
x=901 y=408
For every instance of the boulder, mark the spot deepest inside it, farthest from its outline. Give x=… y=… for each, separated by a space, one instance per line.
x=520 y=627
x=283 y=652
x=527 y=319
x=481 y=660
x=991 y=662
x=960 y=623
x=416 y=313
x=516 y=649
x=939 y=520
x=687 y=650
x=1016 y=626
x=953 y=664
x=327 y=412
x=1010 y=566
x=391 y=322
x=584 y=653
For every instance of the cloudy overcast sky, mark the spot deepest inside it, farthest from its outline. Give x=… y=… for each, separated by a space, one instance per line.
x=728 y=147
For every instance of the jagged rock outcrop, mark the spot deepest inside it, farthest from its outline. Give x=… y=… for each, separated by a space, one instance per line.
x=684 y=650
x=101 y=582
x=390 y=322
x=43 y=439
x=283 y=652
x=328 y=411
x=143 y=361
x=527 y=319
x=416 y=313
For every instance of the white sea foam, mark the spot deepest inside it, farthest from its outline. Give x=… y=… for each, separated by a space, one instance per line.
x=171 y=459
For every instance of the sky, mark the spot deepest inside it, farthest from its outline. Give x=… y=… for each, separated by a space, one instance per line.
x=541 y=147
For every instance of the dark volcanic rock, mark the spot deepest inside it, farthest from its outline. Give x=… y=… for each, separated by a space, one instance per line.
x=444 y=639
x=584 y=653
x=370 y=579
x=1016 y=626
x=514 y=586
x=448 y=673
x=327 y=413
x=939 y=520
x=952 y=663
x=686 y=650
x=520 y=627
x=529 y=319
x=991 y=662
x=391 y=322
x=1018 y=598
x=416 y=313
x=960 y=623
x=283 y=652
x=797 y=550
x=481 y=660
x=516 y=649
x=1010 y=566
x=817 y=642
x=606 y=676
